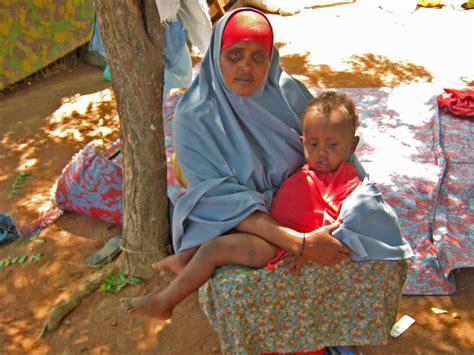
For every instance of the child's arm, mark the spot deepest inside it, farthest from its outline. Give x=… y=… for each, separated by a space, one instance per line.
x=319 y=245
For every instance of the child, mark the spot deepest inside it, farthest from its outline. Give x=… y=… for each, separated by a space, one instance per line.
x=322 y=190
x=310 y=198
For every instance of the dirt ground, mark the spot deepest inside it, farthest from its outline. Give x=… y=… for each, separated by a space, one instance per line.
x=43 y=124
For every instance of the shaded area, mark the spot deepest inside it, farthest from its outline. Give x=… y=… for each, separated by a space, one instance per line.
x=367 y=70
x=43 y=126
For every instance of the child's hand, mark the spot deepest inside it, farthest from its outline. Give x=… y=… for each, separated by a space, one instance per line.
x=295 y=264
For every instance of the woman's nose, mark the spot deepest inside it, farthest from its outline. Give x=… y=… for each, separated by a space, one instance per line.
x=245 y=64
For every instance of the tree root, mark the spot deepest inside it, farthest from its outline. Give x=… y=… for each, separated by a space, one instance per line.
x=63 y=308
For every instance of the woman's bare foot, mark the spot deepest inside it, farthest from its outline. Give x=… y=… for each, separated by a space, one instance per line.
x=153 y=305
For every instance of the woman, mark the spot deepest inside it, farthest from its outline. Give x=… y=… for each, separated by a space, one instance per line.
x=236 y=133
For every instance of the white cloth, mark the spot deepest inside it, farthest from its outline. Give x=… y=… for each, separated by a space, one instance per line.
x=194 y=14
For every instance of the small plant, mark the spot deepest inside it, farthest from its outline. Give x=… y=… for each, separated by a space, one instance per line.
x=19 y=183
x=18 y=260
x=115 y=281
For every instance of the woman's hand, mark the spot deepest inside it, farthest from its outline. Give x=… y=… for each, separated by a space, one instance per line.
x=321 y=247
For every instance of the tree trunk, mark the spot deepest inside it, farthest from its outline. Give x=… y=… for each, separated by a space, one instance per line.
x=133 y=38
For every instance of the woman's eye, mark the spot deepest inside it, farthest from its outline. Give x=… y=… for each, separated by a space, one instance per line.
x=235 y=55
x=259 y=57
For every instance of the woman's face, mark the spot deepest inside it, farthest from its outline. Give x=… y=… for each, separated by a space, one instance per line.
x=244 y=66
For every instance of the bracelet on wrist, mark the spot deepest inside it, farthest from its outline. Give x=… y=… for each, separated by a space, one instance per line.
x=302 y=244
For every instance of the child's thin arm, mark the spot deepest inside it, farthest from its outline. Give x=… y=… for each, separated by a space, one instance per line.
x=319 y=245
x=264 y=226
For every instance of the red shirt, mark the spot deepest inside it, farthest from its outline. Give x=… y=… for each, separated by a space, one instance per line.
x=308 y=200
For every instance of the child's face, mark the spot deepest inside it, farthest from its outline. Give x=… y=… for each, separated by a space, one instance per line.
x=327 y=142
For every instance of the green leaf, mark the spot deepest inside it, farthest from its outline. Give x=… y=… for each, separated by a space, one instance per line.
x=14 y=260
x=117 y=280
x=34 y=236
x=35 y=257
x=39 y=241
x=120 y=286
x=136 y=279
x=22 y=259
x=18 y=183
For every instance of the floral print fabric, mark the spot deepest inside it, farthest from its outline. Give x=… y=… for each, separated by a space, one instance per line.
x=255 y=310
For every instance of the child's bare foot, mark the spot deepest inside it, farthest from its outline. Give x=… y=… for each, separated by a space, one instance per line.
x=153 y=305
x=171 y=263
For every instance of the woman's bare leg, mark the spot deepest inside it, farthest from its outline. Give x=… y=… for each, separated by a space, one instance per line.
x=238 y=249
x=175 y=263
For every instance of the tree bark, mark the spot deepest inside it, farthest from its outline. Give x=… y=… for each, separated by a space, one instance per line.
x=133 y=39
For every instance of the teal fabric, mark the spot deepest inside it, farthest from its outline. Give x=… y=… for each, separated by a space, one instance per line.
x=370 y=226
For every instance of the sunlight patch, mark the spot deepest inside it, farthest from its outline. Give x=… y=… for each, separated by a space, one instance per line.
x=84 y=117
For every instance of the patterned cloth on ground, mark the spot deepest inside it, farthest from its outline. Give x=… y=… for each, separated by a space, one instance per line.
x=91 y=184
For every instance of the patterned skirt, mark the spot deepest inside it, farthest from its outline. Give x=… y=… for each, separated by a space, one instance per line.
x=256 y=310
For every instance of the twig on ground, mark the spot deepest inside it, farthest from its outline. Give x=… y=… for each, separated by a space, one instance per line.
x=63 y=308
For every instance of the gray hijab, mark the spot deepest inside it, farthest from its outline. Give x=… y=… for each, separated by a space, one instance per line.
x=234 y=151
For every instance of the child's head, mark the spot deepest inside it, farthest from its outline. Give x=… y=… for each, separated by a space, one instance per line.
x=329 y=125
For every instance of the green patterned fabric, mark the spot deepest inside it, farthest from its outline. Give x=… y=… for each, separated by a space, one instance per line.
x=35 y=33
x=255 y=310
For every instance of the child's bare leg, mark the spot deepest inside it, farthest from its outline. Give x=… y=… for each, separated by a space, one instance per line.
x=238 y=249
x=175 y=263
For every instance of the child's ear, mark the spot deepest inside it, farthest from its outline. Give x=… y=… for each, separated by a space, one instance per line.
x=355 y=142
x=302 y=139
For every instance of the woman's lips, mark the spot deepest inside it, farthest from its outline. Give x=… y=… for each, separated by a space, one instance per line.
x=244 y=79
